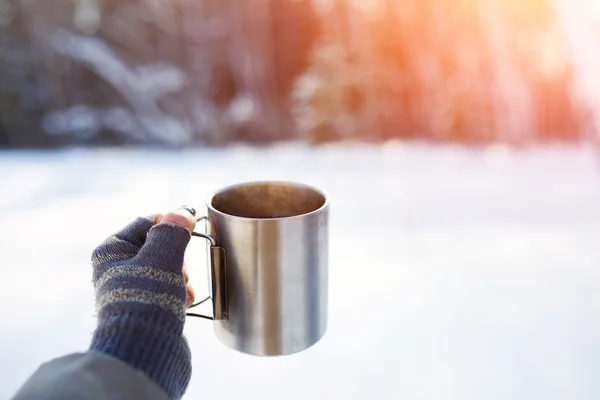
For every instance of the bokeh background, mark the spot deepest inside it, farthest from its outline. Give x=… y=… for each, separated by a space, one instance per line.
x=458 y=139
x=181 y=72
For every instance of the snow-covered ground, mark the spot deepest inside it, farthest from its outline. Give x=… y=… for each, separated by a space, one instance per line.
x=455 y=273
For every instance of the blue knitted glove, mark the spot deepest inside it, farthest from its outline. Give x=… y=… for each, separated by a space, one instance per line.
x=141 y=301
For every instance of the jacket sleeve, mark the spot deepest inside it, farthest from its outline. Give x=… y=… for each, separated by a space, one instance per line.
x=90 y=375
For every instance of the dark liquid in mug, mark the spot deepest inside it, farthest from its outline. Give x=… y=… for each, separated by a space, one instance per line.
x=268 y=200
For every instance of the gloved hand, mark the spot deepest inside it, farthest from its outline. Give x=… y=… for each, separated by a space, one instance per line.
x=141 y=298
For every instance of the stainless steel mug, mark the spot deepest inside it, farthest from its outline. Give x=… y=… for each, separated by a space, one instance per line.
x=269 y=266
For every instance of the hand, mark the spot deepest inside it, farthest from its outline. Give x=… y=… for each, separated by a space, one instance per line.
x=142 y=293
x=182 y=218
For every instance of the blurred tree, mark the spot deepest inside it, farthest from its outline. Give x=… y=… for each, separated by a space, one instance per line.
x=468 y=70
x=91 y=71
x=216 y=71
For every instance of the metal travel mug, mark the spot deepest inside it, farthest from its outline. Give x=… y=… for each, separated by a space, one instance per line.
x=269 y=266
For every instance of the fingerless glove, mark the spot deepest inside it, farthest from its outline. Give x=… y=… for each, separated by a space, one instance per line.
x=140 y=302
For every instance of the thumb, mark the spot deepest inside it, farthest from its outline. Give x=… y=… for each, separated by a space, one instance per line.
x=167 y=240
x=185 y=217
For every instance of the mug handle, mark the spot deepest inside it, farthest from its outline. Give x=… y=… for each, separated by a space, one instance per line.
x=217 y=278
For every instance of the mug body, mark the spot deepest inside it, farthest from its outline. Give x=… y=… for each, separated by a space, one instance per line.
x=275 y=237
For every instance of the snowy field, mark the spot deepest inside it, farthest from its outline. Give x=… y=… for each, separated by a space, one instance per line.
x=455 y=273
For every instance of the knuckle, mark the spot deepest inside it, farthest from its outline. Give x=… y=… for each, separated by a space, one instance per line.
x=178 y=219
x=113 y=249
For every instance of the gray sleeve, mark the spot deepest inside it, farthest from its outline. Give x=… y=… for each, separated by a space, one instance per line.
x=89 y=375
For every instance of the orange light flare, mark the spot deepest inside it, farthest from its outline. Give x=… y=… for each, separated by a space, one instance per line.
x=529 y=28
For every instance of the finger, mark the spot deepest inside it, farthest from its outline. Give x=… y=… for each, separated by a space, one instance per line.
x=190 y=296
x=155 y=218
x=186 y=275
x=123 y=244
x=185 y=216
x=166 y=241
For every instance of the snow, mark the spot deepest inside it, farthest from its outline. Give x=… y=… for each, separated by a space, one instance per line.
x=455 y=273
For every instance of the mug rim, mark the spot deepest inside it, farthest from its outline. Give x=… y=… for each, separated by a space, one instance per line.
x=324 y=206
